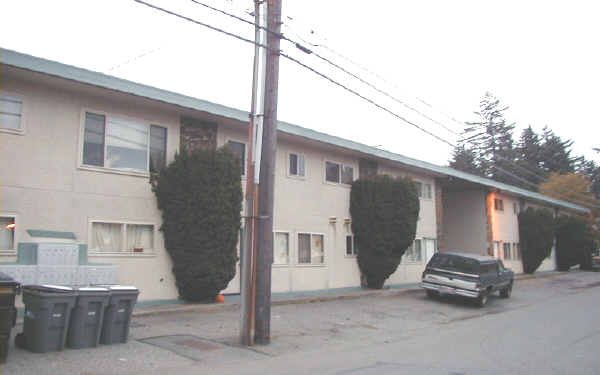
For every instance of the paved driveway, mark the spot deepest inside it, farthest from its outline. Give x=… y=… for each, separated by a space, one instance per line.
x=549 y=325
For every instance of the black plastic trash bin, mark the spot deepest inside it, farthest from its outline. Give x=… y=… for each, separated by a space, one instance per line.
x=87 y=317
x=9 y=288
x=117 y=316
x=47 y=314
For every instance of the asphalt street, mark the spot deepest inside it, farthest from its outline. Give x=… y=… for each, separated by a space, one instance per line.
x=548 y=326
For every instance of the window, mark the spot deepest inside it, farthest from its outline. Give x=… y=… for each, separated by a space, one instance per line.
x=338 y=173
x=7 y=233
x=11 y=109
x=282 y=248
x=123 y=144
x=506 y=250
x=423 y=190
x=498 y=205
x=239 y=150
x=516 y=251
x=111 y=237
x=414 y=252
x=296 y=165
x=515 y=208
x=310 y=249
x=351 y=249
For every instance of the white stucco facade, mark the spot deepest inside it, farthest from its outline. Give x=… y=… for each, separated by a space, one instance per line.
x=46 y=186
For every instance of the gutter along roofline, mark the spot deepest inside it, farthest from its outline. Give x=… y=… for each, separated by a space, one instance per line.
x=69 y=72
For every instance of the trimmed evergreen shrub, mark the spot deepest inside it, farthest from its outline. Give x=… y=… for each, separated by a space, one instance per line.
x=574 y=243
x=536 y=234
x=384 y=213
x=200 y=196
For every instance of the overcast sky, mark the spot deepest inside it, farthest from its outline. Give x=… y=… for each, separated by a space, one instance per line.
x=540 y=58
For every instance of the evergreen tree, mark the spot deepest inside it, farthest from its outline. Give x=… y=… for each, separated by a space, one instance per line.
x=489 y=140
x=556 y=153
x=464 y=160
x=529 y=159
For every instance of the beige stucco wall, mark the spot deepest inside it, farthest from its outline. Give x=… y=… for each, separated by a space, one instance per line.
x=46 y=187
x=465 y=221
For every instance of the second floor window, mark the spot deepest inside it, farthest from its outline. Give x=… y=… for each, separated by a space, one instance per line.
x=124 y=144
x=338 y=173
x=296 y=167
x=498 y=205
x=10 y=112
x=239 y=150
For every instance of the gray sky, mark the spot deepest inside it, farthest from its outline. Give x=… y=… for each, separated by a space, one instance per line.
x=540 y=58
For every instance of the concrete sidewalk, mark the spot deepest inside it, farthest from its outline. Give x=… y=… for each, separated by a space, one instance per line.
x=232 y=302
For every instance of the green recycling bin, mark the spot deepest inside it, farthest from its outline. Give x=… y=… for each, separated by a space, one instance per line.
x=47 y=315
x=87 y=317
x=115 y=328
x=9 y=288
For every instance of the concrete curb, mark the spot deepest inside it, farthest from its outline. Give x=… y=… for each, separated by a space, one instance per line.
x=282 y=301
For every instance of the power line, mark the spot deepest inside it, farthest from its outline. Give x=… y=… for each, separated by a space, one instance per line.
x=281 y=53
x=362 y=67
x=134 y=58
x=588 y=204
x=326 y=60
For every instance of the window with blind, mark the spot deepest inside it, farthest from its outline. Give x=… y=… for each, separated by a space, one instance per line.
x=11 y=112
x=123 y=144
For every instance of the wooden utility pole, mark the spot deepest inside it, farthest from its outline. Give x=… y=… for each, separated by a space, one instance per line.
x=250 y=238
x=266 y=193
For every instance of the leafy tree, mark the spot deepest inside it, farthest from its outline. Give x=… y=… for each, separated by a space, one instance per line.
x=536 y=236
x=200 y=196
x=575 y=188
x=384 y=213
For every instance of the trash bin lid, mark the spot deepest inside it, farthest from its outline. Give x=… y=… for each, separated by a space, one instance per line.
x=6 y=280
x=49 y=288
x=92 y=289
x=118 y=287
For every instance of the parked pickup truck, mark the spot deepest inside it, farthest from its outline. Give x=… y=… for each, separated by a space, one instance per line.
x=469 y=275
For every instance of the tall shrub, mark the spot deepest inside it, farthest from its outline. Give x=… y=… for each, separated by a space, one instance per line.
x=200 y=196
x=536 y=234
x=384 y=213
x=574 y=243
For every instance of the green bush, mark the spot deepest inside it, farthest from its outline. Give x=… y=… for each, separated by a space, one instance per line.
x=574 y=243
x=536 y=233
x=384 y=213
x=200 y=196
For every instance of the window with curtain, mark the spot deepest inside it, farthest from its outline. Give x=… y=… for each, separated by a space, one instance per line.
x=121 y=237
x=124 y=144
x=140 y=238
x=281 y=254
x=7 y=233
x=310 y=248
x=106 y=237
x=10 y=112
